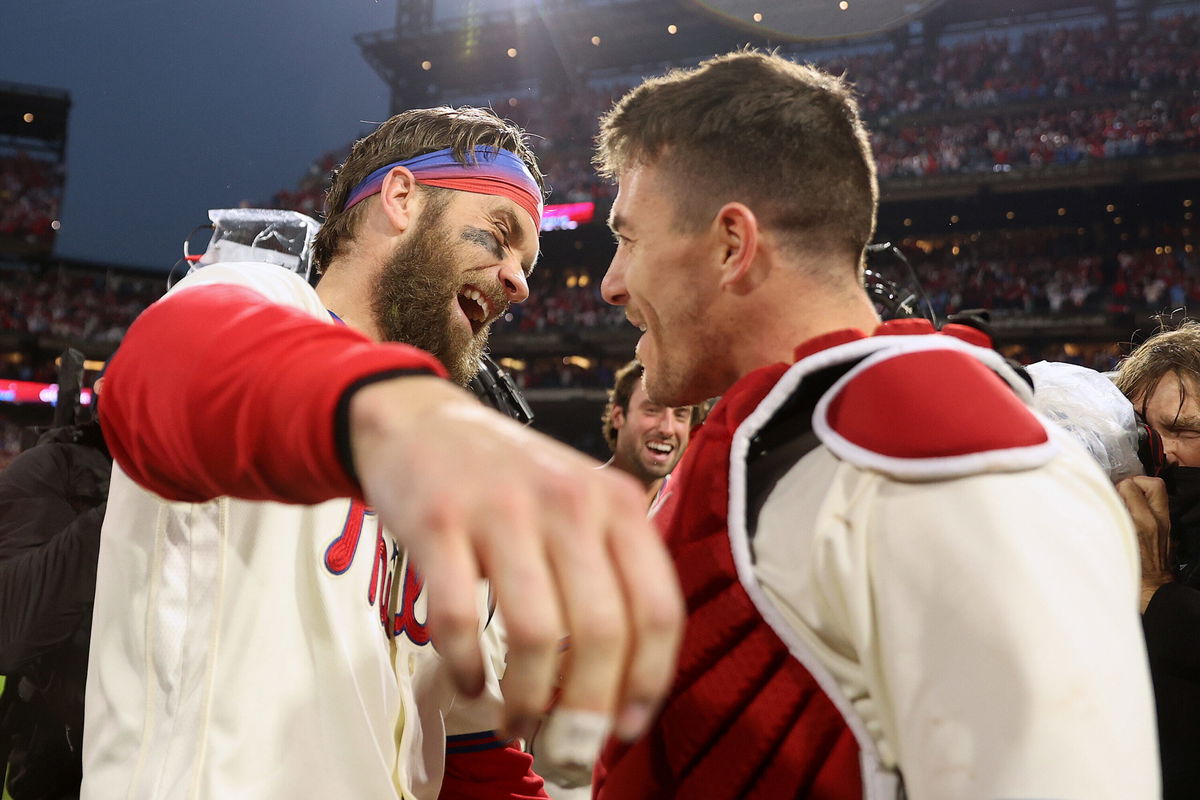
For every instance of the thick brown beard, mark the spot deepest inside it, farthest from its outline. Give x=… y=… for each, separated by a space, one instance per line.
x=413 y=297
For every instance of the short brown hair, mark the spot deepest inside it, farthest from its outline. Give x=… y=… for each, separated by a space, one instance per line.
x=404 y=136
x=1168 y=351
x=783 y=138
x=618 y=397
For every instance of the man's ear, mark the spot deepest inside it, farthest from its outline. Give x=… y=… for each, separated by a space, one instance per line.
x=617 y=417
x=737 y=236
x=398 y=198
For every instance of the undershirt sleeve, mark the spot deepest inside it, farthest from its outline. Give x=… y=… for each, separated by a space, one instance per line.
x=490 y=773
x=217 y=390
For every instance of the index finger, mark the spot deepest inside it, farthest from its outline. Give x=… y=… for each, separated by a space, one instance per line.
x=448 y=563
x=1137 y=505
x=1155 y=492
x=656 y=612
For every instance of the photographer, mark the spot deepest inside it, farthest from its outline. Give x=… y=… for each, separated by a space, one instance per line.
x=52 y=502
x=1162 y=380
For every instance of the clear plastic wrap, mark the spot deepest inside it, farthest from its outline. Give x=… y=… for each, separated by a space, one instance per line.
x=1087 y=405
x=261 y=234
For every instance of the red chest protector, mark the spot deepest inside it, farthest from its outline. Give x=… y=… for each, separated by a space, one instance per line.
x=744 y=719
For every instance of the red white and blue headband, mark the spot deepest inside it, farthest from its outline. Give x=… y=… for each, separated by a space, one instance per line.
x=493 y=171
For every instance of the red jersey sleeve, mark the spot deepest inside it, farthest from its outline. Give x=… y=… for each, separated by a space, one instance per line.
x=216 y=391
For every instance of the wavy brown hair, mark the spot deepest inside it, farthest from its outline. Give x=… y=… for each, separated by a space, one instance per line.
x=783 y=138
x=404 y=136
x=1168 y=351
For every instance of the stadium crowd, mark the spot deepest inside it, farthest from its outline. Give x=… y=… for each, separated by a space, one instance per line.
x=1048 y=271
x=1060 y=63
x=1029 y=271
x=1080 y=95
x=74 y=305
x=1048 y=138
x=30 y=196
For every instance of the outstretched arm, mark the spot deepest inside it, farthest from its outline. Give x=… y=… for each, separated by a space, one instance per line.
x=217 y=390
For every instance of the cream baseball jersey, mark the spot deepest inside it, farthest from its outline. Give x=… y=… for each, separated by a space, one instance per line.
x=257 y=649
x=901 y=582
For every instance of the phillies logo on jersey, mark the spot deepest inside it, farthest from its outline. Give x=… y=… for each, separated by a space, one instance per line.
x=339 y=556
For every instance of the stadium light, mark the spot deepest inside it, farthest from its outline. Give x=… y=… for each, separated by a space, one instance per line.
x=671 y=29
x=512 y=52
x=811 y=20
x=427 y=65
x=28 y=117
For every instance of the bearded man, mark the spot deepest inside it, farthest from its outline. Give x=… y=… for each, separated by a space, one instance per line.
x=302 y=508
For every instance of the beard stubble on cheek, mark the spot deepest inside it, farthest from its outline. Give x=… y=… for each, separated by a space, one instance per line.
x=413 y=302
x=678 y=367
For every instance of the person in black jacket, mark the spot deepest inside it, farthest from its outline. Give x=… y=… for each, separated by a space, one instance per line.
x=1162 y=379
x=52 y=501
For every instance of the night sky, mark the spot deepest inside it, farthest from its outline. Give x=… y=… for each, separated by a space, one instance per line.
x=178 y=107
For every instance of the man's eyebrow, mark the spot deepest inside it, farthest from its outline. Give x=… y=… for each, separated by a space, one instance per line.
x=616 y=222
x=516 y=235
x=1191 y=422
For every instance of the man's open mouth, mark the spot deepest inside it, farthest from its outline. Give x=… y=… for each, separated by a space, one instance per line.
x=476 y=306
x=662 y=449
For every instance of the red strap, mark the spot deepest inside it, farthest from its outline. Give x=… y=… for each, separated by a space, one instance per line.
x=907 y=326
x=967 y=334
x=826 y=341
x=218 y=391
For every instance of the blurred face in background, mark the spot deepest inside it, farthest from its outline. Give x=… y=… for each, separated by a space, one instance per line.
x=1172 y=408
x=650 y=437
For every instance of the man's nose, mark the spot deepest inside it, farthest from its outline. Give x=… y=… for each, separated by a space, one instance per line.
x=612 y=288
x=512 y=278
x=667 y=424
x=1170 y=450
